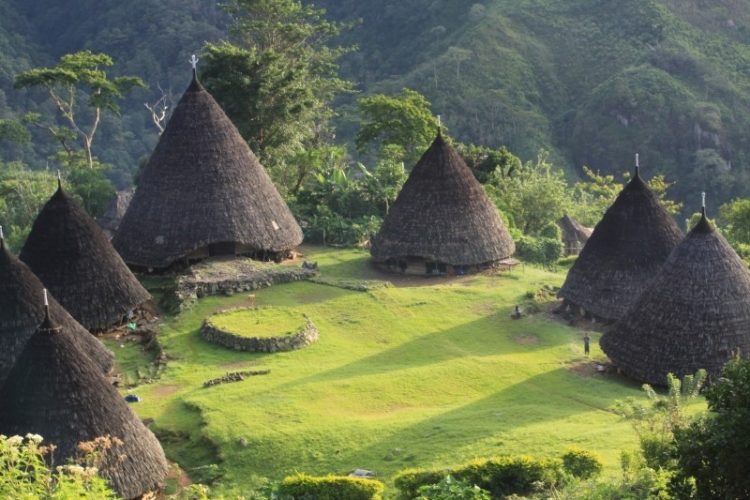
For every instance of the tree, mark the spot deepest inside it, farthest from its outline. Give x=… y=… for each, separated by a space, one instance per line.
x=486 y=162
x=735 y=221
x=714 y=451
x=534 y=197
x=22 y=194
x=404 y=121
x=76 y=74
x=276 y=78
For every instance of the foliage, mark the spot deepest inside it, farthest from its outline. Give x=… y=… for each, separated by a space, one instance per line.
x=277 y=77
x=405 y=122
x=25 y=472
x=486 y=162
x=303 y=486
x=637 y=481
x=501 y=476
x=541 y=250
x=23 y=192
x=734 y=218
x=656 y=422
x=78 y=77
x=714 y=451
x=451 y=489
x=581 y=463
x=536 y=195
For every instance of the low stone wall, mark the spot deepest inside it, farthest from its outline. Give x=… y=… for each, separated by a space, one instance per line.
x=302 y=338
x=227 y=277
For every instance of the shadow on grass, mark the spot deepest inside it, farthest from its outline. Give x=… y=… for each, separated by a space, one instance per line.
x=487 y=336
x=541 y=399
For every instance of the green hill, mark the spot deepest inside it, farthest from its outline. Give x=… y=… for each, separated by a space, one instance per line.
x=593 y=81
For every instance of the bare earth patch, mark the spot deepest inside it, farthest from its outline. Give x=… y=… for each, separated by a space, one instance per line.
x=527 y=339
x=166 y=390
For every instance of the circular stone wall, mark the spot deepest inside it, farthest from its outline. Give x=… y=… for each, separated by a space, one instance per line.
x=233 y=329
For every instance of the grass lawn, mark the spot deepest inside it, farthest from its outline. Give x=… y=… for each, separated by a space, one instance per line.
x=262 y=322
x=428 y=372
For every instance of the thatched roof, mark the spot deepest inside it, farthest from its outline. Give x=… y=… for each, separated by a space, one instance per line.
x=694 y=314
x=443 y=214
x=574 y=234
x=202 y=186
x=57 y=392
x=110 y=221
x=626 y=249
x=76 y=262
x=22 y=310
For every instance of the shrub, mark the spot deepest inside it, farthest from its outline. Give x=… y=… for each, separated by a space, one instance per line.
x=539 y=250
x=24 y=473
x=302 y=486
x=501 y=476
x=582 y=464
x=452 y=489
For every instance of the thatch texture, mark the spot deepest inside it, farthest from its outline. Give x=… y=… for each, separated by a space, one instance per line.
x=626 y=249
x=76 y=262
x=110 y=221
x=574 y=234
x=57 y=392
x=694 y=314
x=443 y=214
x=203 y=189
x=22 y=310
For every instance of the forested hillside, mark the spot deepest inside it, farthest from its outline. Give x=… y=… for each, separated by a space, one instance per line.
x=593 y=81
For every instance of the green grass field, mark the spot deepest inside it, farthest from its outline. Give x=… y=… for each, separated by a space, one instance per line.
x=428 y=372
x=262 y=322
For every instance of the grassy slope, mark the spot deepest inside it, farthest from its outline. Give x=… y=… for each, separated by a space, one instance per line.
x=405 y=376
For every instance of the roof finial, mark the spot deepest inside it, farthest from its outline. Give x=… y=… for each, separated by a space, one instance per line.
x=637 y=164
x=194 y=62
x=440 y=125
x=59 y=179
x=2 y=238
x=46 y=304
x=703 y=203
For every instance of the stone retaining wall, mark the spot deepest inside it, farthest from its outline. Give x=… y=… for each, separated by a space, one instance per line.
x=302 y=338
x=230 y=277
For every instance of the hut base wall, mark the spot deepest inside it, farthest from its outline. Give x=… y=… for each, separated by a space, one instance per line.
x=426 y=267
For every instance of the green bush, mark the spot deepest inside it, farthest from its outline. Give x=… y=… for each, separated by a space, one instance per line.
x=302 y=486
x=582 y=464
x=501 y=476
x=452 y=489
x=542 y=250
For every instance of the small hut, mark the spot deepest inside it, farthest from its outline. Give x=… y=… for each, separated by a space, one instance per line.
x=56 y=391
x=110 y=221
x=76 y=262
x=203 y=193
x=22 y=310
x=442 y=221
x=625 y=250
x=694 y=314
x=574 y=234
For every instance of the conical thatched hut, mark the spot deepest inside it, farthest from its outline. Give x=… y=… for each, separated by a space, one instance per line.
x=202 y=193
x=110 y=221
x=694 y=314
x=22 y=310
x=574 y=234
x=55 y=391
x=76 y=262
x=626 y=249
x=442 y=220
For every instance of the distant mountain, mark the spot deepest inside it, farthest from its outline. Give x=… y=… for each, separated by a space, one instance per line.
x=593 y=81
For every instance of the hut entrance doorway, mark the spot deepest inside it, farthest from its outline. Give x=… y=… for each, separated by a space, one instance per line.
x=223 y=248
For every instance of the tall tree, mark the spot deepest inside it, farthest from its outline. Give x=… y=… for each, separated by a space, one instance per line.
x=78 y=77
x=276 y=78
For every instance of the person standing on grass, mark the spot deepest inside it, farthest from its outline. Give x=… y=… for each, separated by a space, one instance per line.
x=586 y=342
